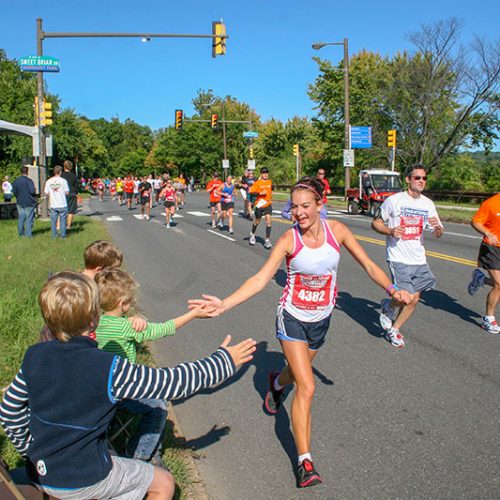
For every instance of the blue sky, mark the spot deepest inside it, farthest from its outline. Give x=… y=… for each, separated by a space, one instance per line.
x=269 y=56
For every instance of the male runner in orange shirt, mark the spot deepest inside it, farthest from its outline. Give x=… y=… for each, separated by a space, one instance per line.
x=215 y=198
x=487 y=222
x=128 y=189
x=263 y=188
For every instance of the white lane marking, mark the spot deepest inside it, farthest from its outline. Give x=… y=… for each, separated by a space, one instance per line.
x=137 y=216
x=177 y=216
x=199 y=214
x=114 y=218
x=221 y=235
x=463 y=235
x=277 y=212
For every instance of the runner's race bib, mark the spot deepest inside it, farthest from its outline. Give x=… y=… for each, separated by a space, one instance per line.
x=311 y=292
x=412 y=227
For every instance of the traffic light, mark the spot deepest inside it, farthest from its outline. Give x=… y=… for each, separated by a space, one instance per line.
x=37 y=112
x=215 y=120
x=218 y=39
x=46 y=114
x=179 y=117
x=295 y=150
x=391 y=138
x=250 y=152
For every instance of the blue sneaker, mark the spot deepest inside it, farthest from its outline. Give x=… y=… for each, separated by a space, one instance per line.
x=476 y=282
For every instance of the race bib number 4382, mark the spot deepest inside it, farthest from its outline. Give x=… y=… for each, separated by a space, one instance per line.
x=311 y=292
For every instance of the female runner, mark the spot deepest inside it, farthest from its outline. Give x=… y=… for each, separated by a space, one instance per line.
x=311 y=249
x=169 y=194
x=226 y=191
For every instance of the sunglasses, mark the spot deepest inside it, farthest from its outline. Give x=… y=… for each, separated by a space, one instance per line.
x=321 y=173
x=418 y=178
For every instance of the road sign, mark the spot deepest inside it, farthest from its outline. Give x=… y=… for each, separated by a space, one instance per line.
x=251 y=164
x=348 y=157
x=39 y=63
x=361 y=137
x=225 y=163
x=250 y=134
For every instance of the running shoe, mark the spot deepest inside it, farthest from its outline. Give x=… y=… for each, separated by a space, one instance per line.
x=168 y=226
x=476 y=282
x=146 y=217
x=251 y=240
x=490 y=325
x=307 y=474
x=273 y=397
x=268 y=244
x=394 y=336
x=214 y=224
x=387 y=314
x=220 y=225
x=231 y=230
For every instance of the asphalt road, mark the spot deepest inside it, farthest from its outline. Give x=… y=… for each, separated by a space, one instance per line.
x=421 y=422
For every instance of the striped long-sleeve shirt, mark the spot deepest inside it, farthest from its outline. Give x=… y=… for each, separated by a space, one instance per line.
x=124 y=381
x=116 y=335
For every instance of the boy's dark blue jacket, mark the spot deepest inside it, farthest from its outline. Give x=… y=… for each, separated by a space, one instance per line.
x=71 y=407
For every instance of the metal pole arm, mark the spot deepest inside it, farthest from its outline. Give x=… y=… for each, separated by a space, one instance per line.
x=46 y=34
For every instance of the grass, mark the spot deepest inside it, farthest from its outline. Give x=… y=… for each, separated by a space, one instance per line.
x=24 y=267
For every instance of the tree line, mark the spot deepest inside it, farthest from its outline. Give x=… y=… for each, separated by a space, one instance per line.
x=442 y=98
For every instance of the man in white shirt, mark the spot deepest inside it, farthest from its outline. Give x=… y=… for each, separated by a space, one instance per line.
x=403 y=218
x=57 y=189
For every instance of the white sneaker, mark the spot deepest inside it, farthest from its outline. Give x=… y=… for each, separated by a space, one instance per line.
x=168 y=226
x=268 y=244
x=476 y=282
x=395 y=338
x=251 y=240
x=214 y=224
x=231 y=230
x=490 y=325
x=220 y=225
x=146 y=217
x=387 y=314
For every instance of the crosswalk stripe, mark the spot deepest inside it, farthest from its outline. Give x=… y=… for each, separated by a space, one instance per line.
x=221 y=235
x=199 y=214
x=114 y=218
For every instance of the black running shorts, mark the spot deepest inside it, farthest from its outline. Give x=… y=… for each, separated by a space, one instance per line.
x=489 y=257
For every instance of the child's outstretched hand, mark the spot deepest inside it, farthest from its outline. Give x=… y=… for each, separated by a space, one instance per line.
x=139 y=323
x=211 y=302
x=204 y=311
x=242 y=352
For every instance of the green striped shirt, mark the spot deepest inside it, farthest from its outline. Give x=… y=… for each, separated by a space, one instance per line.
x=115 y=334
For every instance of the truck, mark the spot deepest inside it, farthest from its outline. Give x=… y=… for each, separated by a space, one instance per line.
x=373 y=188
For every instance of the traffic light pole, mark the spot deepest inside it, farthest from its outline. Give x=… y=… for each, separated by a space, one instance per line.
x=42 y=172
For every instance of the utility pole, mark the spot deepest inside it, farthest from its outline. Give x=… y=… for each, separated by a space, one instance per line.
x=347 y=120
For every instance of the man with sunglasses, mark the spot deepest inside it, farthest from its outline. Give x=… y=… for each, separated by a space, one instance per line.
x=403 y=218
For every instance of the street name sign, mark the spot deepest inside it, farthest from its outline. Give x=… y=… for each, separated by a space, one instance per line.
x=39 y=63
x=361 y=137
x=250 y=134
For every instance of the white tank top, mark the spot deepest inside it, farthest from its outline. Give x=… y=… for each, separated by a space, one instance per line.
x=311 y=285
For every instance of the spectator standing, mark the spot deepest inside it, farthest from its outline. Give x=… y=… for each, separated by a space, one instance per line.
x=7 y=189
x=57 y=188
x=487 y=222
x=24 y=191
x=73 y=185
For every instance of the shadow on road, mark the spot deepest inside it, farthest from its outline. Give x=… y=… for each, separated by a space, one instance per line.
x=212 y=436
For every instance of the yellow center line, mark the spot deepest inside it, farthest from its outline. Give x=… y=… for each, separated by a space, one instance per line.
x=436 y=255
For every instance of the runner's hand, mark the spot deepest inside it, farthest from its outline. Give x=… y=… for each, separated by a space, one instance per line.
x=492 y=238
x=208 y=300
x=242 y=352
x=139 y=323
x=397 y=232
x=402 y=296
x=204 y=311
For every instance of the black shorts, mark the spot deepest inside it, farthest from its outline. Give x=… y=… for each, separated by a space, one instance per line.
x=489 y=257
x=214 y=203
x=129 y=196
x=169 y=204
x=292 y=329
x=72 y=204
x=227 y=206
x=260 y=212
x=145 y=200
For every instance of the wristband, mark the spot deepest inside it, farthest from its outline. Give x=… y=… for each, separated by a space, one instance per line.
x=390 y=289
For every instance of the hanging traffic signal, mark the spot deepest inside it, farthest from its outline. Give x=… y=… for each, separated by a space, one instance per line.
x=391 y=138
x=46 y=114
x=215 y=120
x=179 y=117
x=218 y=39
x=295 y=150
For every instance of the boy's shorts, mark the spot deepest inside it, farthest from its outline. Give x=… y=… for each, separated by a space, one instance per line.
x=412 y=278
x=128 y=480
x=292 y=329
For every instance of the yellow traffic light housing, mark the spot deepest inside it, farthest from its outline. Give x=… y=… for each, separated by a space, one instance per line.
x=46 y=114
x=215 y=120
x=391 y=138
x=37 y=112
x=218 y=38
x=250 y=152
x=179 y=118
x=295 y=150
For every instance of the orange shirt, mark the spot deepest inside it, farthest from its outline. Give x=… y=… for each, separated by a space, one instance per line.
x=214 y=195
x=489 y=216
x=264 y=191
